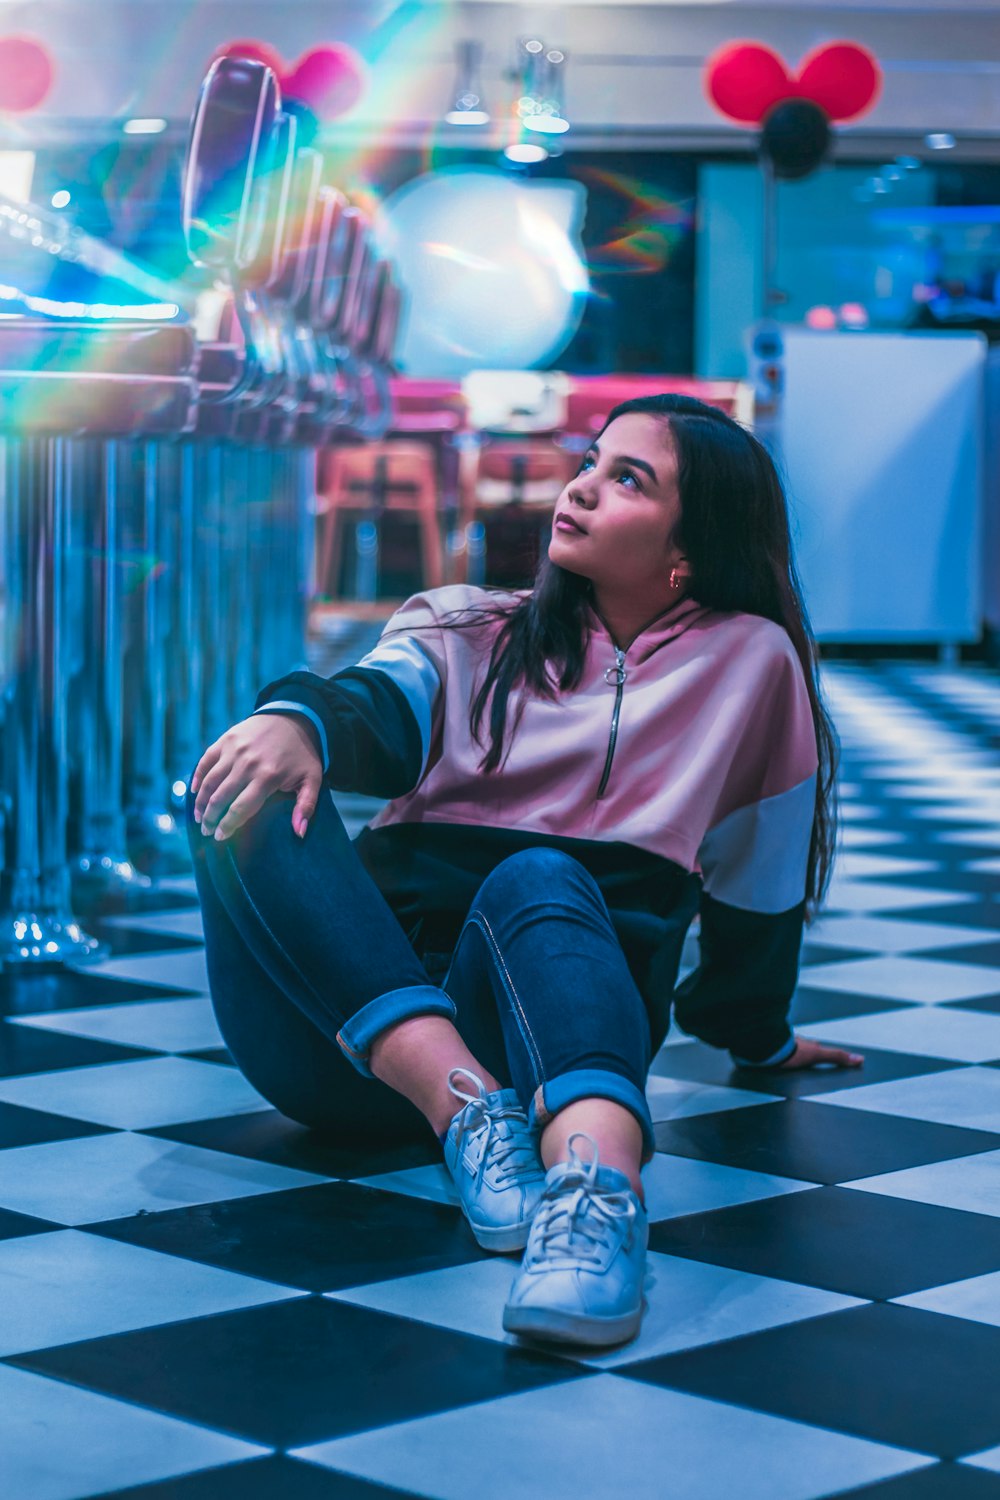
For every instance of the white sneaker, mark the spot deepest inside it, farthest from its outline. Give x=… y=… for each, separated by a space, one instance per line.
x=582 y=1275
x=492 y=1154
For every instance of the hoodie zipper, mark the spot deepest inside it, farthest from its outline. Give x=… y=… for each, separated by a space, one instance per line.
x=618 y=682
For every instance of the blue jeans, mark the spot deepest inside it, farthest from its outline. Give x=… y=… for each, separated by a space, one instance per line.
x=307 y=964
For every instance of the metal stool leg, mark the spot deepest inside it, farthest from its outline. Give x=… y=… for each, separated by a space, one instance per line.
x=212 y=518
x=102 y=870
x=38 y=928
x=156 y=841
x=185 y=741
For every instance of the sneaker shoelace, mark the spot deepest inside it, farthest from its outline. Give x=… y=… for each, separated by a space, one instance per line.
x=502 y=1152
x=576 y=1224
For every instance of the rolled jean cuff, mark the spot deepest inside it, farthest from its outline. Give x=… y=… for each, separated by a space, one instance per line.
x=590 y=1083
x=356 y=1036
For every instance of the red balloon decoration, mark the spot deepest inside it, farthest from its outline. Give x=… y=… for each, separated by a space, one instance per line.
x=329 y=80
x=745 y=81
x=842 y=79
x=26 y=73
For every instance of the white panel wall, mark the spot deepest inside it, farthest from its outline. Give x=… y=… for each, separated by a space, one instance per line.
x=881 y=446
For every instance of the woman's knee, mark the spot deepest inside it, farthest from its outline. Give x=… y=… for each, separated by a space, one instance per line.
x=532 y=874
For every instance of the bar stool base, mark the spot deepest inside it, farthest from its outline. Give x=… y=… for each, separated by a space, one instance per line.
x=158 y=843
x=33 y=940
x=94 y=876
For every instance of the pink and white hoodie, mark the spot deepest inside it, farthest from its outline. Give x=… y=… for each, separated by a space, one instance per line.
x=681 y=772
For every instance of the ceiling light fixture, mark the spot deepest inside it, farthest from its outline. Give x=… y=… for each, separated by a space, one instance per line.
x=467 y=105
x=144 y=127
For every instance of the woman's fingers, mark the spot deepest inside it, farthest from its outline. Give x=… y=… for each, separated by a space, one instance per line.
x=807 y=1054
x=219 y=788
x=841 y=1058
x=241 y=809
x=202 y=769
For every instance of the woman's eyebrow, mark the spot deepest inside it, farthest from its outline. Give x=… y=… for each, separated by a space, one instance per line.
x=623 y=458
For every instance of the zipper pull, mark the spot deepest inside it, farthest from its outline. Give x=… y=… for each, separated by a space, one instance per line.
x=619 y=670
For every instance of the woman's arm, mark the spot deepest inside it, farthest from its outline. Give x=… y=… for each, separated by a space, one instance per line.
x=754 y=862
x=373 y=723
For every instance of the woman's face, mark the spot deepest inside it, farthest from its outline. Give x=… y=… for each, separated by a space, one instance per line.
x=627 y=500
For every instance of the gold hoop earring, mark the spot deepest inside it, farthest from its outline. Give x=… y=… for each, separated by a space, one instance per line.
x=673 y=581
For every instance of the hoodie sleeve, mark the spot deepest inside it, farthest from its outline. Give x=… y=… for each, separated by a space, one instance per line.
x=373 y=724
x=753 y=861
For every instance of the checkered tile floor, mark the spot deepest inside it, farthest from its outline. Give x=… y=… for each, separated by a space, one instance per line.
x=198 y=1299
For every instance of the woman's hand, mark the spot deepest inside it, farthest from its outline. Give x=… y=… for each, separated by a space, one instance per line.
x=257 y=757
x=807 y=1054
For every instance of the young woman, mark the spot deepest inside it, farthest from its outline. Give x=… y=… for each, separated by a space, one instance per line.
x=507 y=931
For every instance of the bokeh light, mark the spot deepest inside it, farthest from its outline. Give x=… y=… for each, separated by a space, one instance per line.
x=493 y=269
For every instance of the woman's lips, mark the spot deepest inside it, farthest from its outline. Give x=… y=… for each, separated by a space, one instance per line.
x=569 y=527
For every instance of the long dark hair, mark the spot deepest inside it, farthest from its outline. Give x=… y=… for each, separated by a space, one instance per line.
x=735 y=535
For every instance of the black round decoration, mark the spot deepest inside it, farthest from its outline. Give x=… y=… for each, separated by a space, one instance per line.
x=796 y=137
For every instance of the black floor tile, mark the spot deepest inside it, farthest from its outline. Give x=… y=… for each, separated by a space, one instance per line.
x=12 y=1224
x=30 y=1127
x=127 y=942
x=30 y=1049
x=277 y=1478
x=987 y=1005
x=809 y=1006
x=860 y=1244
x=73 y=989
x=947 y=1481
x=270 y=1136
x=819 y=953
x=817 y=1142
x=91 y=908
x=703 y=1064
x=974 y=953
x=317 y=1238
x=300 y=1372
x=865 y=1371
x=965 y=914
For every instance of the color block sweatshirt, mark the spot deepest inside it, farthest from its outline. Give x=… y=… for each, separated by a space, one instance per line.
x=681 y=772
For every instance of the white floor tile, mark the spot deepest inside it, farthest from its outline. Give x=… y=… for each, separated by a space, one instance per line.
x=893 y=934
x=163 y=1025
x=872 y=895
x=138 y=1095
x=184 y=923
x=867 y=836
x=180 y=971
x=678 y=1185
x=972 y=1184
x=969 y=1097
x=99 y=1177
x=988 y=838
x=675 y=1099
x=977 y=1299
x=689 y=1303
x=988 y=1460
x=860 y=812
x=59 y=1442
x=921 y=1030
x=920 y=981
x=65 y=1286
x=851 y=866
x=696 y=1448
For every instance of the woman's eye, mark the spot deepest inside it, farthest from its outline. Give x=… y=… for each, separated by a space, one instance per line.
x=627 y=474
x=588 y=463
